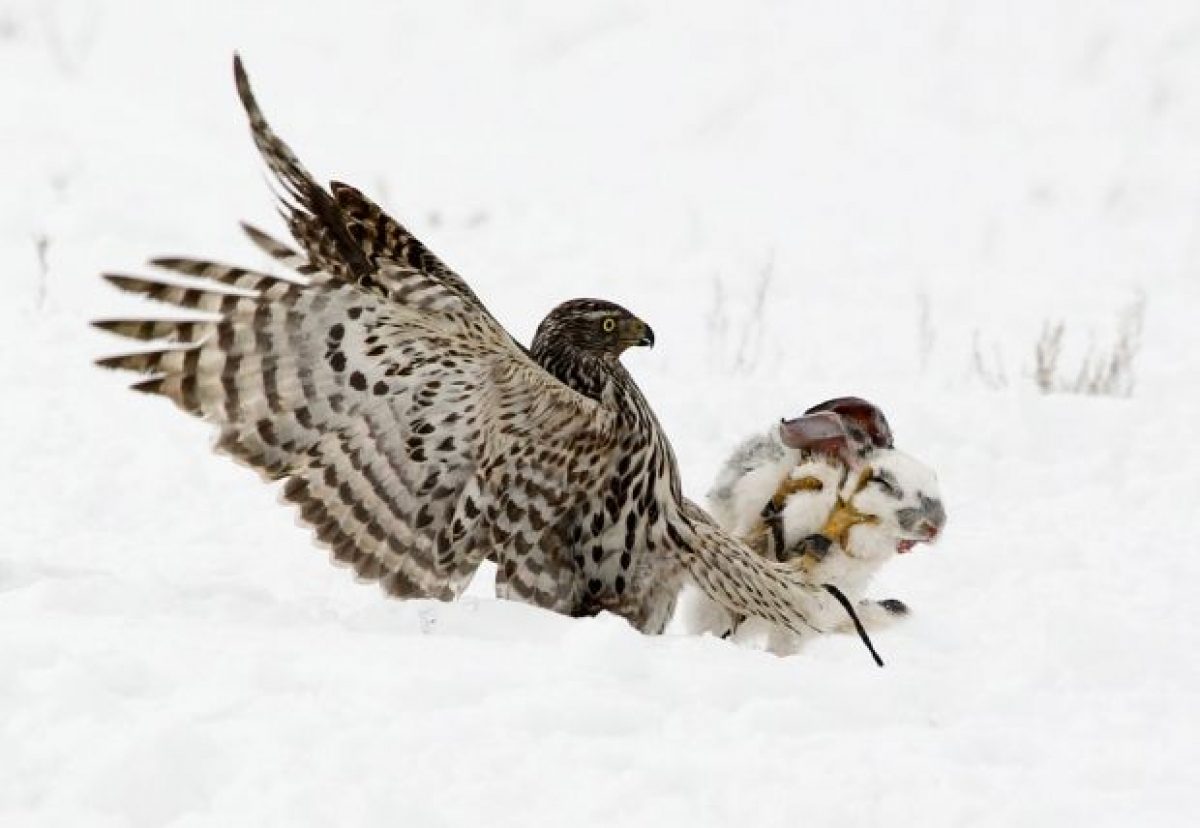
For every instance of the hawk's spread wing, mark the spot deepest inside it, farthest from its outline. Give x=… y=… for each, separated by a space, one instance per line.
x=342 y=231
x=414 y=434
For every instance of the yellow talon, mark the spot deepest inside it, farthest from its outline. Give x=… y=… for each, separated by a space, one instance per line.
x=842 y=519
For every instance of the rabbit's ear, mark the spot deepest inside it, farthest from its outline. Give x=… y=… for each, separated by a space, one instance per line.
x=822 y=432
x=864 y=421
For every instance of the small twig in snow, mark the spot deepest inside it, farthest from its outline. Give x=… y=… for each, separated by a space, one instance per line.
x=752 y=331
x=926 y=337
x=41 y=243
x=993 y=373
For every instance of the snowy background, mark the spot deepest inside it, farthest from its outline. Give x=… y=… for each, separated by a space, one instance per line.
x=804 y=201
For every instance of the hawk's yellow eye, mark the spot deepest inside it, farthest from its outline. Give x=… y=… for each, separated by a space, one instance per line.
x=609 y=325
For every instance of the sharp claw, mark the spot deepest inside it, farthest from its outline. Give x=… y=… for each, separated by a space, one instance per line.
x=816 y=546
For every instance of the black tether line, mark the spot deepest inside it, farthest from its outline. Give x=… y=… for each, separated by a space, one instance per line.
x=862 y=631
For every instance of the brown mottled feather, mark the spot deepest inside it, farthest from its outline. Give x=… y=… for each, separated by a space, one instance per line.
x=415 y=436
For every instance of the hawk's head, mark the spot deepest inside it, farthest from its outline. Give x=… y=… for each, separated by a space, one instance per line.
x=595 y=326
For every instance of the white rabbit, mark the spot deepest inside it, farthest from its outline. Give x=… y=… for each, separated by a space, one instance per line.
x=828 y=492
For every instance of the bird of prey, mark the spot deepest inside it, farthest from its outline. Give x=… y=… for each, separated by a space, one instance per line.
x=417 y=437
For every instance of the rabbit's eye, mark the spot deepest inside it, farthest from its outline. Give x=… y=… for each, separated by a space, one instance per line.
x=885 y=484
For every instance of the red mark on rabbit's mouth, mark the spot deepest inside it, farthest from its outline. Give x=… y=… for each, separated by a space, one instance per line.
x=907 y=544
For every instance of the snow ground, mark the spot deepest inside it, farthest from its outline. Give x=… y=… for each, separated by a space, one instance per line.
x=904 y=183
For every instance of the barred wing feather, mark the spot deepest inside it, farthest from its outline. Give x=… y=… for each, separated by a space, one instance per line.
x=413 y=433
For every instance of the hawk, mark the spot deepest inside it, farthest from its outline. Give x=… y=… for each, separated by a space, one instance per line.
x=417 y=437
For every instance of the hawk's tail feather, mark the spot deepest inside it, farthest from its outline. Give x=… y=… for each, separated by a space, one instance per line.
x=743 y=582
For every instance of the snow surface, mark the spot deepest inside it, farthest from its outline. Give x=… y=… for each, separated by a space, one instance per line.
x=898 y=185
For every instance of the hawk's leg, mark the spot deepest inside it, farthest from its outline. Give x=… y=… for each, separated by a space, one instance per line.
x=586 y=608
x=807 y=553
x=735 y=621
x=647 y=611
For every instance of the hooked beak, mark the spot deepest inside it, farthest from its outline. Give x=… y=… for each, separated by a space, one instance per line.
x=635 y=332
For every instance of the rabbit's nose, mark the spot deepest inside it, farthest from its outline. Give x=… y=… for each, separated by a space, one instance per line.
x=933 y=514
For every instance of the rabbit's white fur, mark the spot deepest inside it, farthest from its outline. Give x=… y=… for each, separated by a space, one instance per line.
x=752 y=475
x=896 y=494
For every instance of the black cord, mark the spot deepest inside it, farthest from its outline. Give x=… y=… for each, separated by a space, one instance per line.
x=862 y=631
